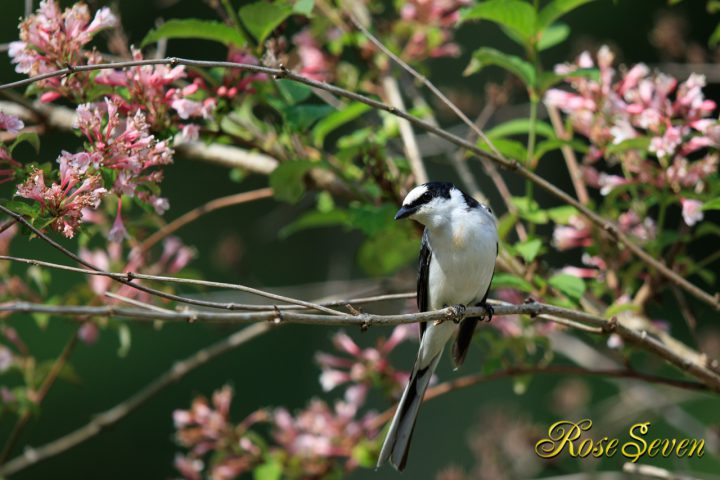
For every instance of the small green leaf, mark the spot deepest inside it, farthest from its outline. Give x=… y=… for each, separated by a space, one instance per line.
x=302 y=117
x=714 y=37
x=287 y=180
x=520 y=126
x=530 y=210
x=336 y=120
x=529 y=249
x=485 y=56
x=553 y=35
x=316 y=219
x=17 y=206
x=549 y=79
x=364 y=455
x=569 y=285
x=125 y=339
x=508 y=280
x=561 y=214
x=518 y=17
x=509 y=148
x=304 y=7
x=194 y=28
x=271 y=470
x=294 y=92
x=371 y=219
x=713 y=204
x=30 y=137
x=616 y=308
x=638 y=143
x=556 y=9
x=261 y=18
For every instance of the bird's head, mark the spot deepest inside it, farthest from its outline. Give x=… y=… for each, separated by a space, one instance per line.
x=435 y=203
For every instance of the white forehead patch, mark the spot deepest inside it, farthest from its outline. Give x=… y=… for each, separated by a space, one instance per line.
x=414 y=194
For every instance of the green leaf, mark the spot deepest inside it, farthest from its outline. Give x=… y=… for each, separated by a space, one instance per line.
x=365 y=455
x=639 y=143
x=17 y=206
x=261 y=18
x=530 y=210
x=547 y=146
x=30 y=137
x=194 y=28
x=271 y=470
x=520 y=126
x=529 y=249
x=561 y=215
x=294 y=92
x=556 y=9
x=304 y=7
x=508 y=280
x=616 y=308
x=336 y=120
x=569 y=285
x=553 y=35
x=125 y=339
x=518 y=17
x=509 y=148
x=371 y=219
x=302 y=117
x=287 y=180
x=485 y=56
x=389 y=250
x=713 y=204
x=316 y=219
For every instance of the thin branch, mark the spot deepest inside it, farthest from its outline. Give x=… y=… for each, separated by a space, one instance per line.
x=412 y=151
x=127 y=278
x=45 y=387
x=104 y=420
x=235 y=306
x=569 y=155
x=365 y=320
x=198 y=212
x=477 y=378
x=512 y=165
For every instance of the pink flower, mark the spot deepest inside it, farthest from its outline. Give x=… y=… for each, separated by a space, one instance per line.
x=51 y=39
x=89 y=333
x=10 y=123
x=6 y=359
x=313 y=61
x=691 y=211
x=576 y=234
x=66 y=200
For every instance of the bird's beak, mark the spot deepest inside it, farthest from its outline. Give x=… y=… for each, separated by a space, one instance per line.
x=405 y=212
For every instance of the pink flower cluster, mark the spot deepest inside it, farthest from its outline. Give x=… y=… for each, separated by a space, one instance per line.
x=366 y=367
x=653 y=126
x=206 y=428
x=307 y=445
x=314 y=62
x=320 y=435
x=65 y=200
x=428 y=26
x=150 y=90
x=51 y=40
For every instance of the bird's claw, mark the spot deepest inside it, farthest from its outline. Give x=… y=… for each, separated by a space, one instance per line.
x=490 y=312
x=458 y=312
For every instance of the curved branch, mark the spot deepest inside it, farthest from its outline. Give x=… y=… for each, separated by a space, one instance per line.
x=512 y=165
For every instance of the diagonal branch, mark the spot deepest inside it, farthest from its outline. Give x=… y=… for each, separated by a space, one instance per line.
x=106 y=419
x=511 y=165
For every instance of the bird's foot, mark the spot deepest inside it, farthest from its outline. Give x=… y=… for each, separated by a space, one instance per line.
x=490 y=311
x=458 y=312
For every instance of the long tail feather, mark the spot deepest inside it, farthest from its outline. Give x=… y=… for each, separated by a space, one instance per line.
x=397 y=442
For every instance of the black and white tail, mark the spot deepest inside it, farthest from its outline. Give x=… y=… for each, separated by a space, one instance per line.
x=397 y=442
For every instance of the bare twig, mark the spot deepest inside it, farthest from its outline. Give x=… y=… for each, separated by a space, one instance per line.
x=512 y=165
x=126 y=278
x=569 y=155
x=198 y=212
x=412 y=151
x=102 y=421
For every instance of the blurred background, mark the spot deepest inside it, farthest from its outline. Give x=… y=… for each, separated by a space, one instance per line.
x=481 y=431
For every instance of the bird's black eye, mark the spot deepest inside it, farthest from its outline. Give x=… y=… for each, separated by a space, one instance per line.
x=426 y=197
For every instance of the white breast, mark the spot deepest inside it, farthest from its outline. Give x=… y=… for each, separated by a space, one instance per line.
x=463 y=259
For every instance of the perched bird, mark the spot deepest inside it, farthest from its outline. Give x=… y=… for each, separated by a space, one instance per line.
x=457 y=263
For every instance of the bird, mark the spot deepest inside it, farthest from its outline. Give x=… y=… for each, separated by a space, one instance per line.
x=458 y=251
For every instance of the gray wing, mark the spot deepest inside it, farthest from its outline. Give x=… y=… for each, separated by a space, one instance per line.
x=422 y=278
x=467 y=328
